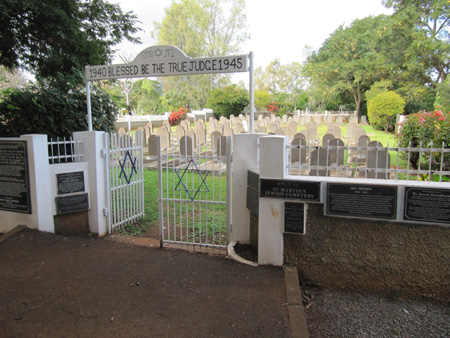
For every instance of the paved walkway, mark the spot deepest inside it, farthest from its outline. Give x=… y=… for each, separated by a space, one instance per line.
x=55 y=286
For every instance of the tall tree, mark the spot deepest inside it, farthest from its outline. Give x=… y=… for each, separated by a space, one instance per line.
x=281 y=78
x=54 y=37
x=349 y=61
x=202 y=28
x=431 y=46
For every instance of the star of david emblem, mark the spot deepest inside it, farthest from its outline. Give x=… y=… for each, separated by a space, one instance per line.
x=122 y=167
x=158 y=52
x=181 y=186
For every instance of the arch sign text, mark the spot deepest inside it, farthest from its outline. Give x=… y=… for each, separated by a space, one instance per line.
x=167 y=61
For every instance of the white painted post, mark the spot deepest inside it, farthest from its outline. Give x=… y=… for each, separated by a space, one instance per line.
x=94 y=152
x=252 y=96
x=273 y=159
x=245 y=157
x=89 y=111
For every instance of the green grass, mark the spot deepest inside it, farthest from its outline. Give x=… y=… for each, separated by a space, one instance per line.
x=204 y=228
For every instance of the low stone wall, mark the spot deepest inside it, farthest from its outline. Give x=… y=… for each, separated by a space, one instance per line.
x=391 y=258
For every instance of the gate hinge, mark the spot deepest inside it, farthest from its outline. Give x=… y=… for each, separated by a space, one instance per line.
x=105 y=212
x=103 y=152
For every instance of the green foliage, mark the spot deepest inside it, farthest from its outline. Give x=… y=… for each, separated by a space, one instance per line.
x=228 y=101
x=424 y=129
x=56 y=37
x=280 y=108
x=349 y=61
x=202 y=28
x=262 y=98
x=442 y=100
x=383 y=109
x=53 y=111
x=302 y=101
x=171 y=100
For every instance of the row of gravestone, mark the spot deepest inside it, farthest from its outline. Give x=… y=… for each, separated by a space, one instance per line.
x=366 y=161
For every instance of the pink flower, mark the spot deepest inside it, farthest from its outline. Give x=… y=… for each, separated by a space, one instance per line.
x=442 y=118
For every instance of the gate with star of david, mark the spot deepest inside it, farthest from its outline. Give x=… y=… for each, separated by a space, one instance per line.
x=124 y=158
x=195 y=193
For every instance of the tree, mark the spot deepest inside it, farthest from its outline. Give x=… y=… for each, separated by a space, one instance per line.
x=55 y=112
x=349 y=61
x=54 y=37
x=430 y=48
x=227 y=101
x=202 y=28
x=11 y=78
x=383 y=109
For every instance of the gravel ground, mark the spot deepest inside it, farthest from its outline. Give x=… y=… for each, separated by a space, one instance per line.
x=340 y=314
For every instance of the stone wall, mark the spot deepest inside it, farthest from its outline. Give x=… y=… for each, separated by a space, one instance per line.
x=390 y=258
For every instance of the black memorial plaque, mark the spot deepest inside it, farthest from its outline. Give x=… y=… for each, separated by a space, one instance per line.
x=69 y=183
x=14 y=177
x=361 y=200
x=298 y=190
x=71 y=203
x=294 y=218
x=427 y=205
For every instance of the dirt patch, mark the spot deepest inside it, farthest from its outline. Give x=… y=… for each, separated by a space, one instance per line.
x=96 y=287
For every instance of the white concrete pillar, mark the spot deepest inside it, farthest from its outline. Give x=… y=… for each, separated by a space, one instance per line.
x=273 y=160
x=41 y=216
x=244 y=159
x=94 y=151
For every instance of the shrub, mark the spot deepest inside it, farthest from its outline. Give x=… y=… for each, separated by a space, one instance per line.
x=383 y=108
x=177 y=116
x=426 y=128
x=54 y=112
x=279 y=108
x=227 y=101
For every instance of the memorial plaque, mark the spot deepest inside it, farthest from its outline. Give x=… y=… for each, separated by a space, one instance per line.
x=427 y=205
x=361 y=200
x=294 y=218
x=253 y=180
x=298 y=190
x=14 y=177
x=252 y=202
x=69 y=183
x=71 y=203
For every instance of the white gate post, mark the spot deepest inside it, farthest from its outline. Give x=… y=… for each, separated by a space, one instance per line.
x=273 y=159
x=94 y=152
x=245 y=158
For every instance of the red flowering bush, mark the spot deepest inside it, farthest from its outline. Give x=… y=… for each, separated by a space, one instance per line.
x=279 y=108
x=425 y=128
x=177 y=116
x=272 y=107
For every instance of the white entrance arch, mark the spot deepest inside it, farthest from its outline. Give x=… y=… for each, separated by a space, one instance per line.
x=167 y=60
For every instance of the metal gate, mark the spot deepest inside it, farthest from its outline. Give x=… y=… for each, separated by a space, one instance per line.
x=124 y=178
x=195 y=192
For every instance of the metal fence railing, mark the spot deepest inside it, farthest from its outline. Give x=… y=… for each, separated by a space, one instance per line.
x=125 y=179
x=422 y=163
x=64 y=150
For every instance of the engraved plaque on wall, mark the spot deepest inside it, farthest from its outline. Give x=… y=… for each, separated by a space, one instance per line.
x=71 y=182
x=14 y=177
x=294 y=218
x=361 y=200
x=71 y=203
x=298 y=190
x=427 y=205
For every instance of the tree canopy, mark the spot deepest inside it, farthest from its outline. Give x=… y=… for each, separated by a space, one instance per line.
x=202 y=28
x=55 y=37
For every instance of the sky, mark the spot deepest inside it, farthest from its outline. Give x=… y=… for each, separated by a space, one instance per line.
x=279 y=29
